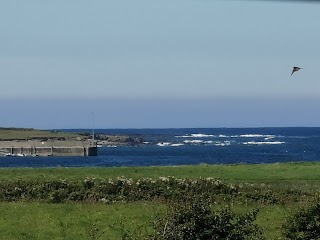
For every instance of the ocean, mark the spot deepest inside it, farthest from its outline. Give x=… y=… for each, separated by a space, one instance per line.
x=186 y=146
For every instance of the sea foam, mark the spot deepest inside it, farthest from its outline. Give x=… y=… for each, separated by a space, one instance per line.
x=256 y=135
x=197 y=141
x=261 y=143
x=196 y=135
x=222 y=144
x=168 y=144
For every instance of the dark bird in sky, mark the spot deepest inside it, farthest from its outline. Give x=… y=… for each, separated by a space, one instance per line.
x=295 y=69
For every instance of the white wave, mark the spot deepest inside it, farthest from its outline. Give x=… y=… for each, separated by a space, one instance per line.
x=163 y=144
x=168 y=144
x=176 y=144
x=193 y=141
x=14 y=155
x=266 y=136
x=222 y=136
x=196 y=135
x=256 y=135
x=261 y=143
x=200 y=135
x=269 y=138
x=222 y=144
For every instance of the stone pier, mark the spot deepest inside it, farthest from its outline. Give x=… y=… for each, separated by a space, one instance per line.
x=48 y=148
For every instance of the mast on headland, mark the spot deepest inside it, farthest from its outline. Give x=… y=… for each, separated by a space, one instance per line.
x=92 y=127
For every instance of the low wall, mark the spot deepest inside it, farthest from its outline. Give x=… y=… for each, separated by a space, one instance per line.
x=25 y=148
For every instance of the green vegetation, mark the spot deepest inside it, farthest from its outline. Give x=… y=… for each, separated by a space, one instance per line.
x=297 y=173
x=34 y=220
x=29 y=133
x=136 y=202
x=195 y=219
x=304 y=224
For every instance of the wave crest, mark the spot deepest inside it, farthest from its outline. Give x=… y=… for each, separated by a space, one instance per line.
x=261 y=143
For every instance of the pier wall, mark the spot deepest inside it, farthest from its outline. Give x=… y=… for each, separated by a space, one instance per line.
x=41 y=149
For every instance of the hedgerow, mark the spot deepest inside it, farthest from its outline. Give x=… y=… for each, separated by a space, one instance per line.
x=111 y=190
x=127 y=190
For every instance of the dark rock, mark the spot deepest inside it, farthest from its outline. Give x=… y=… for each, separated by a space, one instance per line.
x=118 y=139
x=139 y=140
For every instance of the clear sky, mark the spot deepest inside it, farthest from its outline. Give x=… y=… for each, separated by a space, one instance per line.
x=168 y=63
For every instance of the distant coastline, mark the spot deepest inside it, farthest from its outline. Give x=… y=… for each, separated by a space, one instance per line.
x=46 y=136
x=33 y=142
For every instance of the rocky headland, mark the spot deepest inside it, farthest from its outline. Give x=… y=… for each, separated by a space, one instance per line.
x=51 y=138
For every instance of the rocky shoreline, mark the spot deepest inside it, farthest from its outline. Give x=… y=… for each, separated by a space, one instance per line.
x=103 y=139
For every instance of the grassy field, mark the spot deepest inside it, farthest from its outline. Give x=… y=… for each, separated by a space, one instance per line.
x=267 y=173
x=78 y=221
x=28 y=133
x=42 y=220
x=72 y=221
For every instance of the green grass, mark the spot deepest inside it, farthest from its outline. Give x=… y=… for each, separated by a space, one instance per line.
x=76 y=221
x=22 y=134
x=40 y=220
x=257 y=173
x=72 y=221
x=270 y=217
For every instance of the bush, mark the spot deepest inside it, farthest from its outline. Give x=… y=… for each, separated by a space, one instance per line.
x=304 y=224
x=194 y=220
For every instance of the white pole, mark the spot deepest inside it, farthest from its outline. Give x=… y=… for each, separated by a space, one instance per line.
x=92 y=127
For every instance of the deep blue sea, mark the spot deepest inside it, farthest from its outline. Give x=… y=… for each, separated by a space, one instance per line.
x=187 y=146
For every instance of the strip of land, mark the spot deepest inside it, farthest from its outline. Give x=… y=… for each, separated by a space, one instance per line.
x=29 y=136
x=33 y=142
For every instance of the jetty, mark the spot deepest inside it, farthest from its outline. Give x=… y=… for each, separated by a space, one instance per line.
x=48 y=148
x=34 y=142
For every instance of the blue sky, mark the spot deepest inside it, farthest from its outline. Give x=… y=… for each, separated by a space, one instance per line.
x=144 y=64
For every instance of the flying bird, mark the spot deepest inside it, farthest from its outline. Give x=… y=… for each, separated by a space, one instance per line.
x=295 y=69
